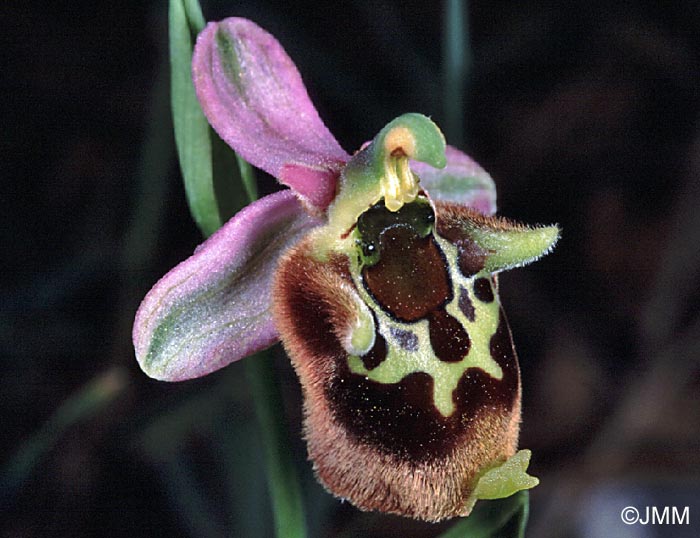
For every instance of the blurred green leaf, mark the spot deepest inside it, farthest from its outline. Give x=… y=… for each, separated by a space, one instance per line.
x=504 y=518
x=90 y=400
x=208 y=165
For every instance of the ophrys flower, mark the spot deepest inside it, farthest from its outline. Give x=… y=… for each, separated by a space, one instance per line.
x=377 y=272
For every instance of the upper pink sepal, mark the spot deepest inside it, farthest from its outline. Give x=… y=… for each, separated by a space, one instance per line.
x=253 y=96
x=214 y=308
x=461 y=181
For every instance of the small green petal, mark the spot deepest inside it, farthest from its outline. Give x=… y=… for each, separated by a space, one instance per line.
x=516 y=248
x=511 y=245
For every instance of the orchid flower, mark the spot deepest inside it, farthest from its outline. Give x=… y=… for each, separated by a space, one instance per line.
x=376 y=270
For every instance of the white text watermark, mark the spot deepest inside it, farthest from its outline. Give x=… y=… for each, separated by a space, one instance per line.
x=656 y=515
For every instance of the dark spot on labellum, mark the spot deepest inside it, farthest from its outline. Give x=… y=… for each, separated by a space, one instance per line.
x=398 y=418
x=410 y=279
x=406 y=339
x=447 y=336
x=501 y=344
x=375 y=356
x=483 y=290
x=418 y=216
x=470 y=258
x=465 y=304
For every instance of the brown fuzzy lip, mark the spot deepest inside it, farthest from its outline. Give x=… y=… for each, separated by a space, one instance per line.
x=385 y=447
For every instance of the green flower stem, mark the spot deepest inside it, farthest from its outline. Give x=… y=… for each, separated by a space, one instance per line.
x=456 y=66
x=214 y=194
x=282 y=479
x=251 y=188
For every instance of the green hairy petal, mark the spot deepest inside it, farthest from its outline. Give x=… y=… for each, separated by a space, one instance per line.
x=513 y=245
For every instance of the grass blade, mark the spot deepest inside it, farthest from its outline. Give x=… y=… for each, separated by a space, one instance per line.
x=209 y=168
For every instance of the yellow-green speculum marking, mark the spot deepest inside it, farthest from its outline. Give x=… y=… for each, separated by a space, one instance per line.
x=401 y=362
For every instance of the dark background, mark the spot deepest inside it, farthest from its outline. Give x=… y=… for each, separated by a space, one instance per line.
x=585 y=114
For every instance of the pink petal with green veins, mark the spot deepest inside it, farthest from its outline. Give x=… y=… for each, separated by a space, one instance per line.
x=462 y=181
x=214 y=308
x=253 y=96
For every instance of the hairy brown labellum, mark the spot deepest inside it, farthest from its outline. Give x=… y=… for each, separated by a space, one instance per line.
x=393 y=445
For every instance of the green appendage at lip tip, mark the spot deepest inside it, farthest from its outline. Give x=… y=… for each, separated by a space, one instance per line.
x=505 y=479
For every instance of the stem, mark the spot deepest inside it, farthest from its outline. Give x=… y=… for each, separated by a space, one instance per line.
x=251 y=188
x=214 y=195
x=282 y=479
x=456 y=65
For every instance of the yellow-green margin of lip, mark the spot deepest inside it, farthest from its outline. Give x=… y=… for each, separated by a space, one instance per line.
x=380 y=171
